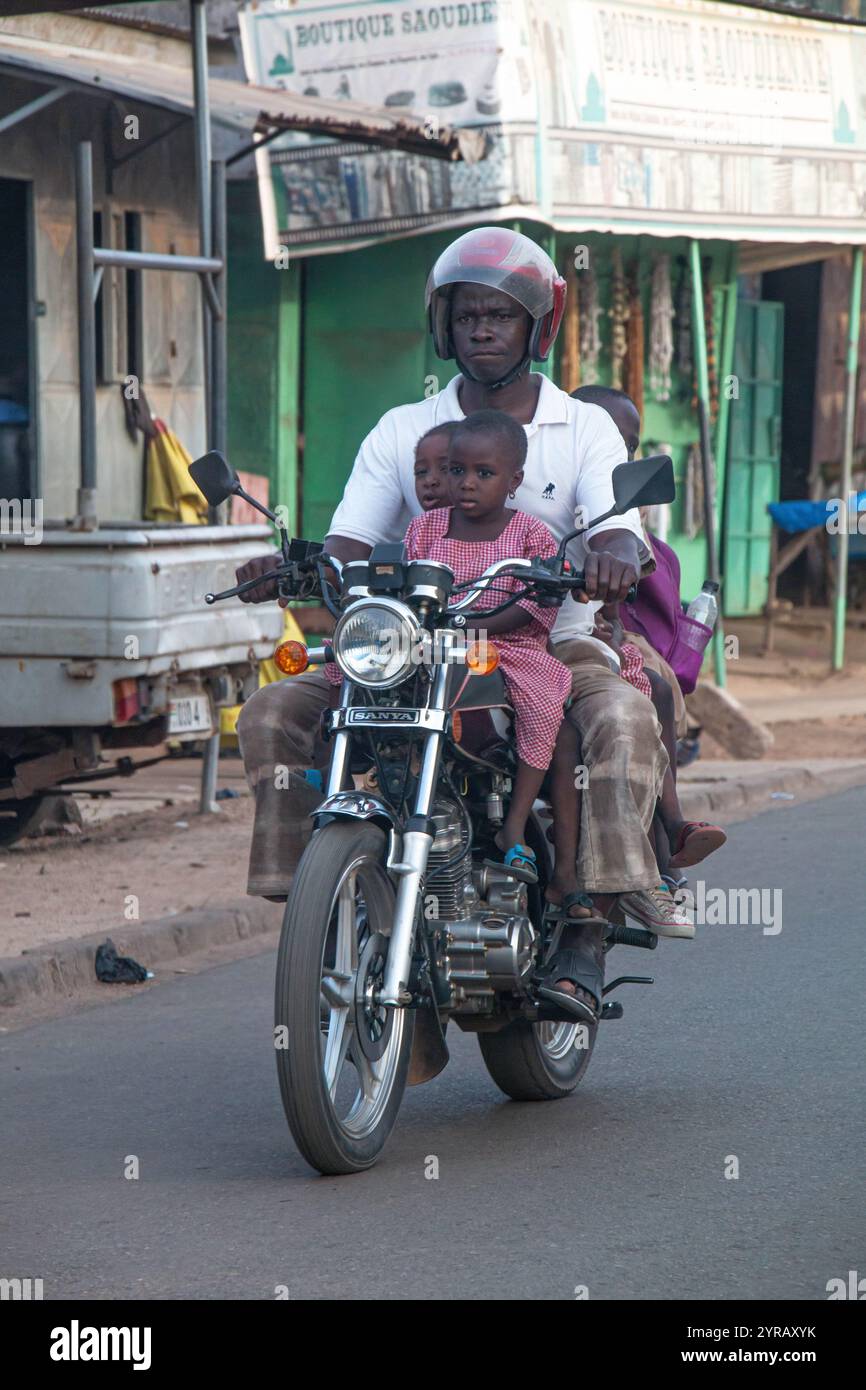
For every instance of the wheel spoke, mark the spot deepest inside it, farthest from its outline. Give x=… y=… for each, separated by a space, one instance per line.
x=340 y=1032
x=338 y=985
x=337 y=989
x=367 y=1073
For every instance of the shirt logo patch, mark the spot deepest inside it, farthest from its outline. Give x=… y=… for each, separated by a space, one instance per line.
x=548 y=491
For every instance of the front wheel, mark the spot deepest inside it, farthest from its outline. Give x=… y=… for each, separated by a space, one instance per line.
x=538 y=1061
x=342 y=1060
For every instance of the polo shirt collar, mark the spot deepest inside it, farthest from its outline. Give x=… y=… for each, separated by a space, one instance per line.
x=552 y=407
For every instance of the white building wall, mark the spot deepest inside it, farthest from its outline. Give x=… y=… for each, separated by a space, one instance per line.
x=160 y=185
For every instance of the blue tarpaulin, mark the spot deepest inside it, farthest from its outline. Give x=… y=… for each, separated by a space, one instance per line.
x=801 y=516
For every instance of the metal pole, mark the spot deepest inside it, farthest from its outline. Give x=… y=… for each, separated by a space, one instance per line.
x=700 y=339
x=847 y=455
x=209 y=769
x=729 y=337
x=220 y=251
x=86 y=500
x=198 y=26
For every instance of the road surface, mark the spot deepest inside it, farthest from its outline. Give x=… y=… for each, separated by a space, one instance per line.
x=746 y=1056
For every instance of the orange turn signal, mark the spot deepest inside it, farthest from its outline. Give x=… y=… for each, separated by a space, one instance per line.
x=291 y=658
x=482 y=658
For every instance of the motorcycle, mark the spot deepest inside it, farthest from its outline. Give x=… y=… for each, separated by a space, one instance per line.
x=401 y=917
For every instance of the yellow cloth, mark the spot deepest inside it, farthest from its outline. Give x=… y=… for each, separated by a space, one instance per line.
x=171 y=494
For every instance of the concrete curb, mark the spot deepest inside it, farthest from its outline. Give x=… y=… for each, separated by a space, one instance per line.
x=702 y=798
x=66 y=967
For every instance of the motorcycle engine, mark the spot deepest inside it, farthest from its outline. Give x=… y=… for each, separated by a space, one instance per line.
x=484 y=939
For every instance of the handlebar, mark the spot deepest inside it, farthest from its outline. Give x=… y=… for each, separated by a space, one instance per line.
x=301 y=580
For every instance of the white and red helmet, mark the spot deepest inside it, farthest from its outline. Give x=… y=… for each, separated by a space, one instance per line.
x=505 y=260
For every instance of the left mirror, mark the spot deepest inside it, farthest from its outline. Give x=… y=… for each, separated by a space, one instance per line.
x=214 y=477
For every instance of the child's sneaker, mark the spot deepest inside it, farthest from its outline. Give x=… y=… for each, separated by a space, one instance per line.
x=656 y=909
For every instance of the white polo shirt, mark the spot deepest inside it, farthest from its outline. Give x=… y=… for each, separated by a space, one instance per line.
x=572 y=449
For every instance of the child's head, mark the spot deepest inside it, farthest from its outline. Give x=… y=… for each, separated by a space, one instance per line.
x=485 y=463
x=431 y=465
x=621 y=409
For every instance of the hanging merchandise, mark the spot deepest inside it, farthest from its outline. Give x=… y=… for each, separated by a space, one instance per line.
x=712 y=366
x=569 y=366
x=661 y=348
x=619 y=319
x=685 y=360
x=633 y=375
x=589 y=311
x=693 y=501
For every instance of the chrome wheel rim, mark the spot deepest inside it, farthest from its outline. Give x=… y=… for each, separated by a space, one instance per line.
x=360 y=1044
x=557 y=1039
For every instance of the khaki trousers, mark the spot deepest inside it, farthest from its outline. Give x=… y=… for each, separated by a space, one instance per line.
x=279 y=737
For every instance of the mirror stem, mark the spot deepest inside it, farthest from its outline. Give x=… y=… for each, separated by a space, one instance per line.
x=238 y=491
x=588 y=527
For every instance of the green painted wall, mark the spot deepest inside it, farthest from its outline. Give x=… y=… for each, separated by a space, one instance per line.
x=264 y=347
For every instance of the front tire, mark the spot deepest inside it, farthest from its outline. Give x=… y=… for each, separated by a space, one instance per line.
x=341 y=1060
x=538 y=1061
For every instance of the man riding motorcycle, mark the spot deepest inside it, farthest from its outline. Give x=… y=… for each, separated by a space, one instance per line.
x=495 y=303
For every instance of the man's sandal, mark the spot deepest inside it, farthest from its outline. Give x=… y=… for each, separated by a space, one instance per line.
x=554 y=911
x=583 y=972
x=696 y=839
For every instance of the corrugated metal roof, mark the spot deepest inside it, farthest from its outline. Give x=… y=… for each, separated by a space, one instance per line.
x=238 y=105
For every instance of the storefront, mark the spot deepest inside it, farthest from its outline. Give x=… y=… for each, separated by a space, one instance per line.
x=666 y=155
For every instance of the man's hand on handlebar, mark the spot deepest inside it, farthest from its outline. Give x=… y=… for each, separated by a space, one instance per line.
x=251 y=570
x=611 y=567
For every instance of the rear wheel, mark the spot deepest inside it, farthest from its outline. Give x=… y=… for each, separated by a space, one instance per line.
x=342 y=1059
x=538 y=1061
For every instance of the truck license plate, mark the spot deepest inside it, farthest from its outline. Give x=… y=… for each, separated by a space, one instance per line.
x=190 y=714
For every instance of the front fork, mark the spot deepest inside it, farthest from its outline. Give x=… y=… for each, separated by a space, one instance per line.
x=417 y=838
x=417 y=841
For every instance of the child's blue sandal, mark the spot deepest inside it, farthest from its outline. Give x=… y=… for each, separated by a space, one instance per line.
x=522 y=857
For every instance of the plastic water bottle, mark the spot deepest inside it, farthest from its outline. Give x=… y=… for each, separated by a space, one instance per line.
x=705 y=608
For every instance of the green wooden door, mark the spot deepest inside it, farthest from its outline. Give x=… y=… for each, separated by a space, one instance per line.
x=754 y=451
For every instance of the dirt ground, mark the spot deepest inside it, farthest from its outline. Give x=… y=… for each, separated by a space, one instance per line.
x=80 y=881
x=843 y=737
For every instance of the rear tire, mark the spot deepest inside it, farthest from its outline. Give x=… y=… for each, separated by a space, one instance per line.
x=538 y=1061
x=342 y=1063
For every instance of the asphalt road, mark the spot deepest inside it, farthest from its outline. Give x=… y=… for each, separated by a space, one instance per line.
x=749 y=1046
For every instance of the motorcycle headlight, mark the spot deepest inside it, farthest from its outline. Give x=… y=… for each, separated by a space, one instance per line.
x=376 y=644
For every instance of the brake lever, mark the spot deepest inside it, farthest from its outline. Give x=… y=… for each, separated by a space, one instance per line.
x=246 y=586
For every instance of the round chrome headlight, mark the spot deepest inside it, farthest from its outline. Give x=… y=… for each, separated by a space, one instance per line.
x=376 y=643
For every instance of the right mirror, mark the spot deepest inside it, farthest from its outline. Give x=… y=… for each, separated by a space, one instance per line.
x=214 y=476
x=644 y=483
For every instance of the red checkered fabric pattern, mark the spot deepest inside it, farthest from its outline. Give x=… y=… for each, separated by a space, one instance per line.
x=631 y=669
x=538 y=684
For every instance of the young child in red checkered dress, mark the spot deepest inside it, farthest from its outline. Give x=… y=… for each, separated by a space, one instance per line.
x=486 y=452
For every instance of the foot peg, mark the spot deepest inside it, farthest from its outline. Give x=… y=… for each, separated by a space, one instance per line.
x=511 y=871
x=631 y=936
x=614 y=1010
